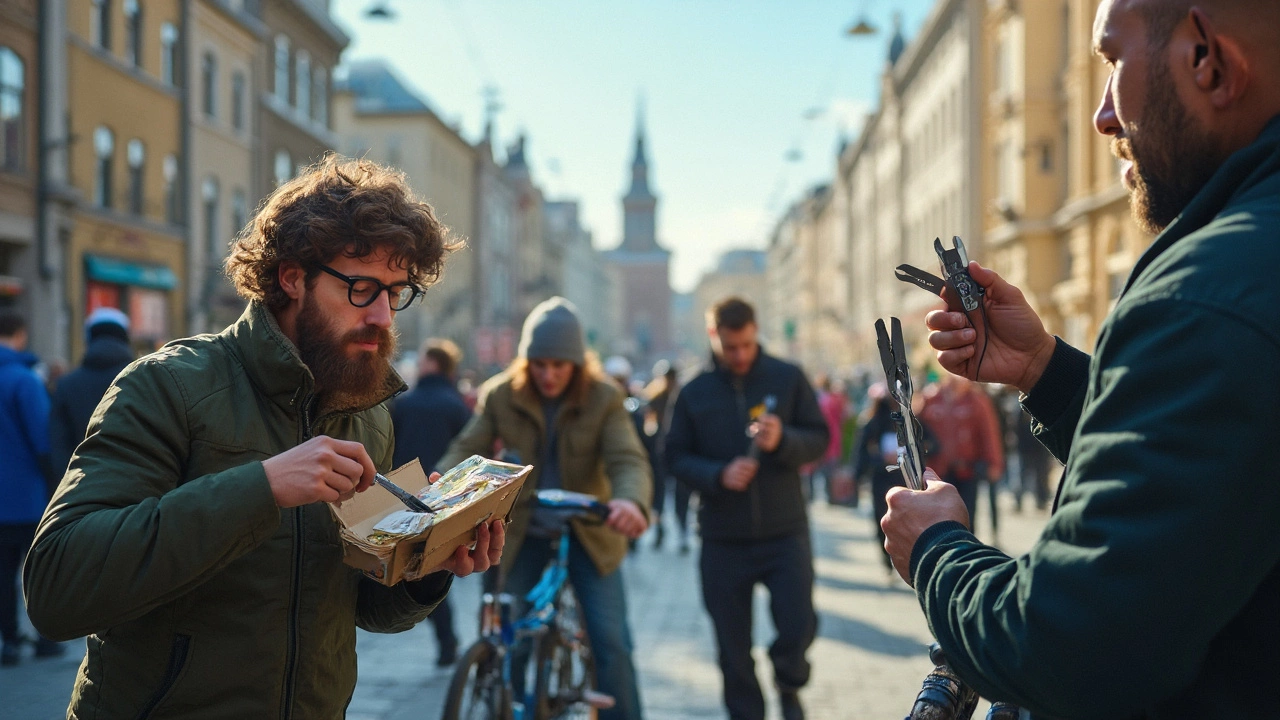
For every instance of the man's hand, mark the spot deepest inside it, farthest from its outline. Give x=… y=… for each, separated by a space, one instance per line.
x=1018 y=347
x=320 y=469
x=490 y=537
x=912 y=512
x=626 y=517
x=737 y=475
x=768 y=432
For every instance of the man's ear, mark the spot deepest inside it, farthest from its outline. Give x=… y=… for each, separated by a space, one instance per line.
x=292 y=279
x=1218 y=63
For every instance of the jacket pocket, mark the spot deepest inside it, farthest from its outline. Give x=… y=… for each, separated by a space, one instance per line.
x=177 y=663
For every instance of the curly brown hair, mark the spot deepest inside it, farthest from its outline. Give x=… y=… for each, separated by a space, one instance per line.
x=337 y=206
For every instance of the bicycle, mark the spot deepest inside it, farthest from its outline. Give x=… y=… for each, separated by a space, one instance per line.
x=560 y=662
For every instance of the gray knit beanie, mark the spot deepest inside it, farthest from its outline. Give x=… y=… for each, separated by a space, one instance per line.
x=552 y=332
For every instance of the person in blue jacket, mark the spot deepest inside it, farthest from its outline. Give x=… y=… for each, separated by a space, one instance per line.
x=26 y=475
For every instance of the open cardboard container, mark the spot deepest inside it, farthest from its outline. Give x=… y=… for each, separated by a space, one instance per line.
x=414 y=556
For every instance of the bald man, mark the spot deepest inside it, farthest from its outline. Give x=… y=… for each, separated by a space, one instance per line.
x=1154 y=591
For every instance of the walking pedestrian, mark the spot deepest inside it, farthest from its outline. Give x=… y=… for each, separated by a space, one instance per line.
x=753 y=515
x=969 y=448
x=78 y=392
x=554 y=406
x=26 y=476
x=662 y=392
x=426 y=419
x=1152 y=592
x=191 y=538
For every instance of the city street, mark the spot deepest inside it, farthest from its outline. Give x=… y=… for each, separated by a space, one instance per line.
x=868 y=660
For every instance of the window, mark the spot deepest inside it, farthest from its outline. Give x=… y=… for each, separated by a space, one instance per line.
x=12 y=118
x=302 y=83
x=104 y=146
x=209 y=194
x=209 y=84
x=136 y=154
x=237 y=101
x=171 y=188
x=100 y=24
x=169 y=54
x=239 y=210
x=320 y=97
x=283 y=167
x=133 y=30
x=282 y=69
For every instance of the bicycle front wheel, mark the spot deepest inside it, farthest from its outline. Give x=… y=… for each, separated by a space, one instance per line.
x=476 y=691
x=566 y=669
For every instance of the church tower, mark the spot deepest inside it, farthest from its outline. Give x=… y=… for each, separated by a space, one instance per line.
x=643 y=267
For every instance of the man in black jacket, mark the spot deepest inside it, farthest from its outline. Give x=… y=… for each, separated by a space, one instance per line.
x=753 y=515
x=79 y=391
x=426 y=419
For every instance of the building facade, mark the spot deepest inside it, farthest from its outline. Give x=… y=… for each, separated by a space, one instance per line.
x=587 y=280
x=19 y=155
x=222 y=57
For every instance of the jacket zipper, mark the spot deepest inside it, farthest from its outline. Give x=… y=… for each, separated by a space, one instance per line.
x=177 y=659
x=752 y=495
x=295 y=590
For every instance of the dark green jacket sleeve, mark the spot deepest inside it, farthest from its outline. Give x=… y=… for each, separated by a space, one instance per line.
x=1057 y=399
x=1168 y=465
x=625 y=462
x=116 y=540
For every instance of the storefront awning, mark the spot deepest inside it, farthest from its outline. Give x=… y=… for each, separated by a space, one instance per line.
x=123 y=272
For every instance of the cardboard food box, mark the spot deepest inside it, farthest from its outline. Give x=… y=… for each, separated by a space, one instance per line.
x=410 y=557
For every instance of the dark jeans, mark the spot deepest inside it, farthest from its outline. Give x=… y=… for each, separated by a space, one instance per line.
x=968 y=490
x=604 y=607
x=442 y=620
x=15 y=540
x=730 y=572
x=680 y=496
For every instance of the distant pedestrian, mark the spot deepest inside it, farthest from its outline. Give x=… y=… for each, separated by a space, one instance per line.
x=662 y=393
x=26 y=475
x=970 y=449
x=832 y=402
x=425 y=420
x=753 y=516
x=78 y=393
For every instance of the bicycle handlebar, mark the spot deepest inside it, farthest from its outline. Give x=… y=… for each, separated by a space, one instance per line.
x=580 y=504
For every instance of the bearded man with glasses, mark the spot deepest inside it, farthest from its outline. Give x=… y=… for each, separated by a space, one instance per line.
x=190 y=538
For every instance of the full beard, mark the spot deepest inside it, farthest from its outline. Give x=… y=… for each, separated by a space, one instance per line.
x=344 y=382
x=1173 y=159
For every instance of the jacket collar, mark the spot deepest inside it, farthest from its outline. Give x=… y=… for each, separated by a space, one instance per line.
x=1242 y=173
x=753 y=371
x=272 y=362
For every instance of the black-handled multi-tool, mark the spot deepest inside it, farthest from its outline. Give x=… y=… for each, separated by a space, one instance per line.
x=893 y=355
x=955 y=274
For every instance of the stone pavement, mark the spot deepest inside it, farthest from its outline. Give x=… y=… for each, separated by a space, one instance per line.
x=868 y=660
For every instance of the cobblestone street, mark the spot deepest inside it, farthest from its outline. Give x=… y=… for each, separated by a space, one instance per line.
x=868 y=660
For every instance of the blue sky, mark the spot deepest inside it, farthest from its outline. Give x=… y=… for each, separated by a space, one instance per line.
x=732 y=89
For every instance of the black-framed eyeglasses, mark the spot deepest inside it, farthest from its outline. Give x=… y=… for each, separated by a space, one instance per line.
x=362 y=291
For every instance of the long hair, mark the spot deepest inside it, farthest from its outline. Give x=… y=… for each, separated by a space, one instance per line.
x=337 y=206
x=579 y=384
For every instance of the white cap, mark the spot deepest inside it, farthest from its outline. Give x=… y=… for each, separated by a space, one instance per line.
x=107 y=314
x=617 y=366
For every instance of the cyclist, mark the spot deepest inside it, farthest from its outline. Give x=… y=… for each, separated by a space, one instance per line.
x=555 y=408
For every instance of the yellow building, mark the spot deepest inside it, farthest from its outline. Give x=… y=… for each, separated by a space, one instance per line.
x=126 y=246
x=18 y=156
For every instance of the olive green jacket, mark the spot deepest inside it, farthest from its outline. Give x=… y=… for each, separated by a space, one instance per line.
x=163 y=544
x=600 y=454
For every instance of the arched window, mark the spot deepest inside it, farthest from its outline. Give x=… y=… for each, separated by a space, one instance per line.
x=283 y=167
x=100 y=24
x=282 y=69
x=104 y=146
x=13 y=83
x=133 y=31
x=136 y=154
x=170 y=168
x=169 y=54
x=302 y=83
x=209 y=84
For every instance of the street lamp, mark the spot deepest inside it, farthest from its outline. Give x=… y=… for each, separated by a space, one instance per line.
x=380 y=11
x=862 y=27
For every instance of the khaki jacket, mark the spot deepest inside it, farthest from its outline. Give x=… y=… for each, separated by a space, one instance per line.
x=600 y=454
x=200 y=598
